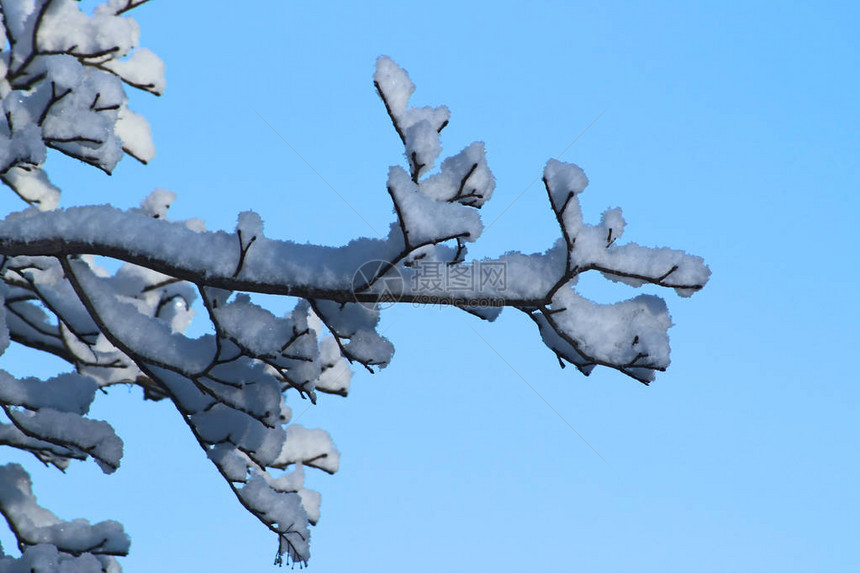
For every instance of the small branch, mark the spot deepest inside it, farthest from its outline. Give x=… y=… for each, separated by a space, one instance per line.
x=74 y=139
x=391 y=113
x=70 y=445
x=34 y=48
x=659 y=281
x=415 y=166
x=93 y=161
x=460 y=194
x=669 y=272
x=54 y=99
x=160 y=284
x=130 y=5
x=591 y=360
x=243 y=251
x=70 y=51
x=400 y=221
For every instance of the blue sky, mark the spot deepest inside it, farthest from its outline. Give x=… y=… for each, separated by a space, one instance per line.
x=728 y=129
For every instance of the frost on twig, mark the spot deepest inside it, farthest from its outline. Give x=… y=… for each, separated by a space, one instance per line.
x=62 y=88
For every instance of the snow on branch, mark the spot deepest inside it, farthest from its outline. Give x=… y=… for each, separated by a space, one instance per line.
x=47 y=419
x=62 y=88
x=48 y=543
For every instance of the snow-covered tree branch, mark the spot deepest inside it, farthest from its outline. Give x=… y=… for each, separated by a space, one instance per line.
x=62 y=88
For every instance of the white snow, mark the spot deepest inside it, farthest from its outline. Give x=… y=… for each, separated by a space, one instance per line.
x=232 y=386
x=464 y=178
x=394 y=82
x=284 y=510
x=67 y=392
x=33 y=186
x=303 y=444
x=563 y=180
x=135 y=134
x=142 y=68
x=427 y=221
x=64 y=26
x=40 y=526
x=335 y=371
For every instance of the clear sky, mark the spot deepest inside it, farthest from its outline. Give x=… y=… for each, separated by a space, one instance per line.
x=726 y=129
